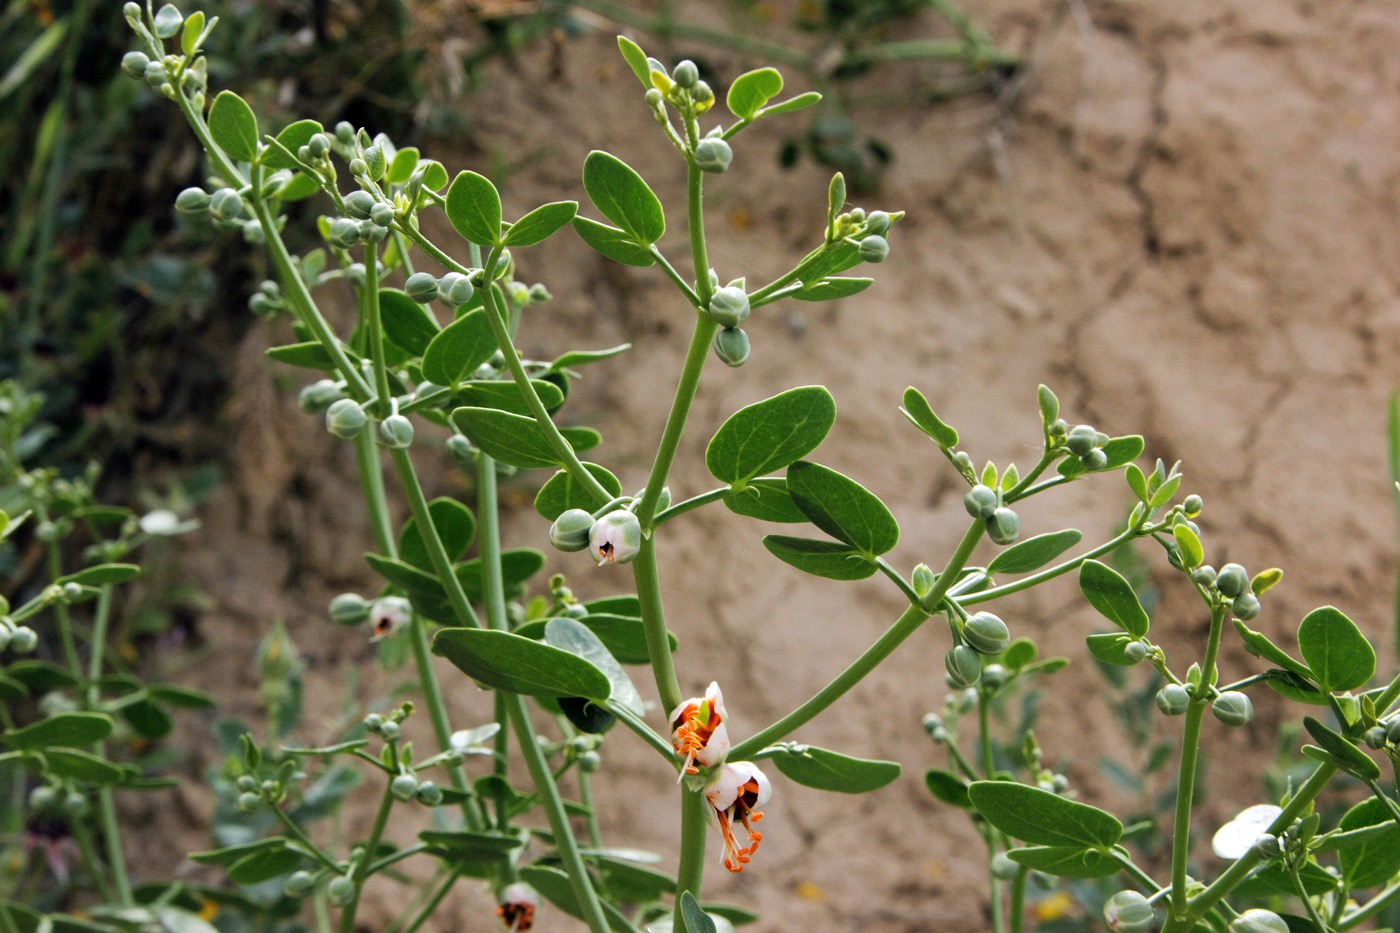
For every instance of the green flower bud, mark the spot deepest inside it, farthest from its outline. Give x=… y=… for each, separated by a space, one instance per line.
x=654 y=98
x=1245 y=606
x=192 y=201
x=374 y=159
x=43 y=799
x=1375 y=737
x=132 y=11
x=373 y=722
x=340 y=891
x=455 y=289
x=359 y=167
x=248 y=802
x=1095 y=459
x=589 y=762
x=994 y=676
x=382 y=214
x=134 y=64
x=349 y=609
x=874 y=248
x=713 y=154
x=1268 y=847
x=732 y=346
x=226 y=204
x=75 y=804
x=1203 y=575
x=1233 y=708
x=371 y=232
x=246 y=783
x=615 y=538
x=396 y=432
x=1192 y=505
x=980 y=501
x=343 y=232
x=1392 y=732
x=156 y=74
x=518 y=293
x=730 y=306
x=703 y=96
x=963 y=461
x=72 y=591
x=1232 y=580
x=319 y=144
x=253 y=233
x=317 y=397
x=168 y=21
x=1003 y=525
x=931 y=722
x=390 y=732
x=1173 y=699
x=878 y=223
x=1259 y=920
x=685 y=74
x=986 y=633
x=576 y=611
x=964 y=667
x=404 y=787
x=1129 y=912
x=570 y=530
x=299 y=884
x=356 y=274
x=1135 y=651
x=459 y=448
x=1003 y=867
x=1082 y=439
x=429 y=794
x=345 y=419
x=23 y=640
x=923 y=580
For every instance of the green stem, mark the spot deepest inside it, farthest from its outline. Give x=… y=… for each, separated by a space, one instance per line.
x=1025 y=583
x=373 y=321
x=676 y=278
x=397 y=857
x=432 y=905
x=106 y=804
x=1302 y=893
x=645 y=732
x=1018 y=899
x=695 y=819
x=585 y=797
x=553 y=805
x=648 y=584
x=694 y=502
x=489 y=534
x=372 y=487
x=82 y=835
x=1372 y=907
x=360 y=872
x=686 y=387
x=296 y=832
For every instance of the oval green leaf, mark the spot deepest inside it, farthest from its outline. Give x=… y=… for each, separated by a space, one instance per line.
x=1348 y=757
x=623 y=636
x=512 y=439
x=562 y=492
x=233 y=126
x=575 y=637
x=1034 y=553
x=506 y=396
x=793 y=104
x=770 y=434
x=541 y=223
x=555 y=887
x=78 y=765
x=827 y=770
x=506 y=661
x=828 y=559
x=474 y=209
x=406 y=577
x=842 y=508
x=920 y=414
x=1189 y=546
x=308 y=355
x=623 y=197
x=1041 y=818
x=612 y=242
x=101 y=575
x=1113 y=597
x=1067 y=861
x=230 y=854
x=459 y=349
x=456 y=527
x=1335 y=650
x=765 y=499
x=264 y=866
x=292 y=138
x=1375 y=860
x=407 y=324
x=1108 y=648
x=947 y=787
x=73 y=730
x=694 y=916
x=471 y=847
x=751 y=90
x=517 y=565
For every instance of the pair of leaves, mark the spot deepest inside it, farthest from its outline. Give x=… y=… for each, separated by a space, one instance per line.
x=1065 y=837
x=623 y=197
x=862 y=525
x=1112 y=595
x=474 y=210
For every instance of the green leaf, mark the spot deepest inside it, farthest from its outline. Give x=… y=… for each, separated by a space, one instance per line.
x=1375 y=860
x=1137 y=482
x=827 y=770
x=1273 y=879
x=298 y=188
x=612 y=242
x=102 y=575
x=1258 y=644
x=1164 y=493
x=292 y=138
x=407 y=324
x=1041 y=818
x=1113 y=597
x=573 y=636
x=1347 y=756
x=12 y=690
x=580 y=357
x=541 y=223
x=455 y=524
x=506 y=396
x=474 y=209
x=623 y=197
x=792 y=104
x=828 y=559
x=623 y=636
x=630 y=883
x=73 y=730
x=512 y=439
x=947 y=787
x=401 y=168
x=41 y=675
x=636 y=60
x=555 y=887
x=561 y=492
x=1021 y=652
x=189 y=35
x=230 y=854
x=181 y=697
x=1033 y=553
x=581 y=438
x=469 y=846
x=696 y=920
x=264 y=866
x=1189 y=546
x=1067 y=861
x=82 y=766
x=233 y=126
x=830 y=289
x=770 y=434
x=917 y=410
x=752 y=90
x=1108 y=647
x=1120 y=452
x=1335 y=650
x=765 y=499
x=406 y=577
x=1290 y=685
x=842 y=508
x=517 y=565
x=308 y=355
x=148 y=719
x=457 y=351
x=506 y=661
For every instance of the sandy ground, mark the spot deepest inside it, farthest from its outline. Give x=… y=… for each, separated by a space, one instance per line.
x=1183 y=221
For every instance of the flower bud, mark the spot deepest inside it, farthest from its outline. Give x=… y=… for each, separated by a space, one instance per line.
x=132 y=11
x=923 y=579
x=404 y=787
x=317 y=397
x=319 y=144
x=994 y=676
x=168 y=21
x=1173 y=699
x=359 y=167
x=654 y=98
x=248 y=802
x=396 y=432
x=1203 y=575
x=134 y=64
x=1375 y=737
x=246 y=783
x=345 y=419
x=459 y=448
x=730 y=306
x=1392 y=732
x=931 y=722
x=615 y=538
x=43 y=799
x=713 y=154
x=732 y=346
x=455 y=289
x=703 y=96
x=340 y=891
x=382 y=214
x=429 y=794
x=192 y=201
x=226 y=204
x=986 y=633
x=1095 y=459
x=299 y=884
x=570 y=531
x=874 y=248
x=1232 y=580
x=371 y=232
x=878 y=223
x=1003 y=525
x=1245 y=606
x=1081 y=439
x=685 y=74
x=1135 y=651
x=1233 y=708
x=349 y=609
x=373 y=723
x=1192 y=505
x=589 y=762
x=964 y=667
x=1259 y=920
x=23 y=640
x=1129 y=912
x=980 y=501
x=389 y=731
x=1003 y=867
x=343 y=232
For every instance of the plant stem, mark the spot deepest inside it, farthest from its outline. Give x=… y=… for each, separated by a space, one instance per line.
x=1372 y=907
x=694 y=502
x=106 y=804
x=489 y=534
x=648 y=584
x=360 y=871
x=433 y=902
x=372 y=487
x=82 y=835
x=695 y=817
x=375 y=325
x=1016 y=586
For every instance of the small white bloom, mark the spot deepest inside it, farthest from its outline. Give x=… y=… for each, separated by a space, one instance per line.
x=698 y=731
x=517 y=909
x=388 y=615
x=615 y=538
x=739 y=789
x=1237 y=837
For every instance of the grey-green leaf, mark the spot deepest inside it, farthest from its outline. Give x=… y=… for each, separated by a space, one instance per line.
x=829 y=289
x=1108 y=647
x=512 y=439
x=765 y=499
x=541 y=223
x=624 y=636
x=947 y=787
x=506 y=396
x=1041 y=818
x=612 y=242
x=455 y=524
x=573 y=636
x=1348 y=757
x=1067 y=861
x=555 y=887
x=507 y=661
x=74 y=730
x=101 y=575
x=408 y=324
x=1113 y=597
x=474 y=208
x=1375 y=860
x=264 y=866
x=636 y=60
x=1033 y=553
x=827 y=770
x=920 y=413
x=78 y=765
x=1335 y=650
x=562 y=492
x=292 y=138
x=623 y=197
x=459 y=349
x=751 y=90
x=828 y=559
x=770 y=434
x=469 y=847
x=792 y=104
x=842 y=508
x=696 y=920
x=233 y=126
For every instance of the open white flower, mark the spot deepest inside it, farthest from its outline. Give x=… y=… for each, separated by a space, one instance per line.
x=698 y=731
x=736 y=794
x=518 y=904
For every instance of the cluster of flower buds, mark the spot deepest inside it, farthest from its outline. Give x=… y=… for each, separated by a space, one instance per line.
x=981 y=634
x=21 y=639
x=613 y=538
x=454 y=289
x=1383 y=733
x=1232 y=582
x=58 y=800
x=1003 y=525
x=1085 y=442
x=253 y=793
x=682 y=88
x=388 y=728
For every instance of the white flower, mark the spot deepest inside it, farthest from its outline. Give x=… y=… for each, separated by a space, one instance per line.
x=388 y=615
x=615 y=538
x=517 y=909
x=736 y=794
x=698 y=731
x=1237 y=837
